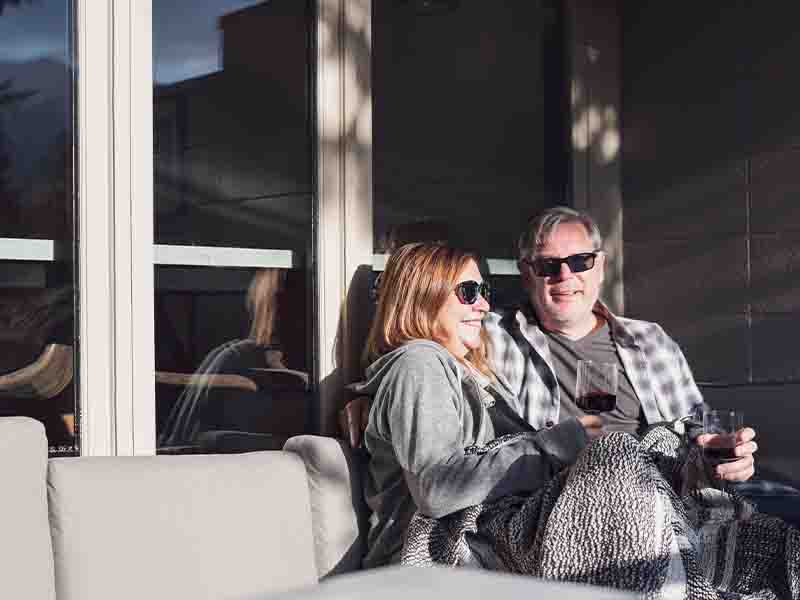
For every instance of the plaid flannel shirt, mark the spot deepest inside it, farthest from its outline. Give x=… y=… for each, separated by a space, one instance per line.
x=657 y=369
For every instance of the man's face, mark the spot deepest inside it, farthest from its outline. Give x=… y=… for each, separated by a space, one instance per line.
x=564 y=302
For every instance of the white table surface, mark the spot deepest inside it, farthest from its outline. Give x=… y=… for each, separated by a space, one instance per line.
x=412 y=583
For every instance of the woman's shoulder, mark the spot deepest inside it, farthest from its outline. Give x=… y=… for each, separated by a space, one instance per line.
x=413 y=360
x=423 y=353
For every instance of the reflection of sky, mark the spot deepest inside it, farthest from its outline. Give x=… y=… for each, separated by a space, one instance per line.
x=186 y=40
x=35 y=30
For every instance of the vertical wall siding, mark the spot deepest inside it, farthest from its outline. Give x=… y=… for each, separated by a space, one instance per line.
x=711 y=189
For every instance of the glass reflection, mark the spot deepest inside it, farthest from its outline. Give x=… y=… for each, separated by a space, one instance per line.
x=232 y=135
x=37 y=304
x=232 y=165
x=242 y=396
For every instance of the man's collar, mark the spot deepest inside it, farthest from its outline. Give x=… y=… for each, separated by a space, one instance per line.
x=618 y=330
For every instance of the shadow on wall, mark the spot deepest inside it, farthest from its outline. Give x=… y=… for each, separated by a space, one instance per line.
x=711 y=181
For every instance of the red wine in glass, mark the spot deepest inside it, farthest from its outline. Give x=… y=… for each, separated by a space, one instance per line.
x=723 y=424
x=596 y=387
x=720 y=454
x=595 y=403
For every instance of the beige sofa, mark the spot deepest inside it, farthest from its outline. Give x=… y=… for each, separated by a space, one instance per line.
x=228 y=527
x=174 y=527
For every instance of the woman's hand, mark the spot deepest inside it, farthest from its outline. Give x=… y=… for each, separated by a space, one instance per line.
x=593 y=425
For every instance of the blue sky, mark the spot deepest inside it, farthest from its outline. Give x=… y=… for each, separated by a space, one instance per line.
x=33 y=31
x=185 y=36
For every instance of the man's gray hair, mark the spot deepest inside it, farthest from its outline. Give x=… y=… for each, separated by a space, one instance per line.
x=541 y=226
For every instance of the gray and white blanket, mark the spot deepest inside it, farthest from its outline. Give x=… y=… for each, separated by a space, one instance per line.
x=632 y=514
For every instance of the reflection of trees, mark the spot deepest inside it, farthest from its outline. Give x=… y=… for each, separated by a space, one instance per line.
x=8 y=99
x=4 y=3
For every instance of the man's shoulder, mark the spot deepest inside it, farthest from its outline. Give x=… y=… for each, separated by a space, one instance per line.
x=641 y=330
x=499 y=325
x=501 y=317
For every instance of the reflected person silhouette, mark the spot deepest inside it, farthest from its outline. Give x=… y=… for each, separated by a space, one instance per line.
x=242 y=396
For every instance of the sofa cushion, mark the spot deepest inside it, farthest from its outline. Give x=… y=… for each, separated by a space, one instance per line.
x=25 y=550
x=180 y=527
x=338 y=509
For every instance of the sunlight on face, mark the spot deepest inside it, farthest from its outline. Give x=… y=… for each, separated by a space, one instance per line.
x=459 y=325
x=564 y=302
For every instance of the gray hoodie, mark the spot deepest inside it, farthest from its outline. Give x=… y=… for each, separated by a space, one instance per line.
x=426 y=409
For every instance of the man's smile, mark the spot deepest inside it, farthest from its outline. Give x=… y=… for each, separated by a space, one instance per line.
x=559 y=295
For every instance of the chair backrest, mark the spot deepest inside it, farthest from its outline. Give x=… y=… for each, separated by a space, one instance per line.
x=180 y=527
x=338 y=510
x=221 y=380
x=44 y=378
x=26 y=557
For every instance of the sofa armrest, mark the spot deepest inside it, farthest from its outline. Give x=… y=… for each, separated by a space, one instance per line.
x=338 y=510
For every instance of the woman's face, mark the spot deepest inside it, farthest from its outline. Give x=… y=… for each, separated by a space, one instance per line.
x=459 y=325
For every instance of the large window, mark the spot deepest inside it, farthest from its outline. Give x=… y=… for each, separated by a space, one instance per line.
x=236 y=193
x=233 y=223
x=468 y=137
x=37 y=203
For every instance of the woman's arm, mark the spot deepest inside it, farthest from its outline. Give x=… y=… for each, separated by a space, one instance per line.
x=421 y=403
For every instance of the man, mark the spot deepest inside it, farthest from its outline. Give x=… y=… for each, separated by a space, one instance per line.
x=536 y=347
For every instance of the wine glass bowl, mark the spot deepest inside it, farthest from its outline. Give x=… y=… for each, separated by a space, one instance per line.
x=596 y=386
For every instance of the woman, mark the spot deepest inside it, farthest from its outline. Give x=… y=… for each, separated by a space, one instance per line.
x=203 y=407
x=435 y=395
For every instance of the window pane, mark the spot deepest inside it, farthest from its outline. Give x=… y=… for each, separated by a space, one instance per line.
x=233 y=223
x=37 y=200
x=467 y=113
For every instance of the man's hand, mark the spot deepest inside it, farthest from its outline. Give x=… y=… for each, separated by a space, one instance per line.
x=593 y=426
x=743 y=467
x=353 y=419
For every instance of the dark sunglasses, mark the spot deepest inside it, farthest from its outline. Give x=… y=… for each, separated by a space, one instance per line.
x=467 y=292
x=550 y=267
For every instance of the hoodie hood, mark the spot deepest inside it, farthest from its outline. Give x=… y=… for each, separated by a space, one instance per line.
x=379 y=368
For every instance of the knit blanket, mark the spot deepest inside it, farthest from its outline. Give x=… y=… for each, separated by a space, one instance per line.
x=640 y=515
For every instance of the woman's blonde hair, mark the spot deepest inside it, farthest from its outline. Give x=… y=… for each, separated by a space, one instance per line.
x=262 y=304
x=414 y=287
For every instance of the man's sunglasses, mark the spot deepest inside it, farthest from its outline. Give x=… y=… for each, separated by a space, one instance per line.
x=550 y=267
x=467 y=292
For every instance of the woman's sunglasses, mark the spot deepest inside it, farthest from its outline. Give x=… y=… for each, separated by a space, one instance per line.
x=467 y=292
x=550 y=267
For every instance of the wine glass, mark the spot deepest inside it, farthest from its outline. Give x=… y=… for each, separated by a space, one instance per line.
x=596 y=387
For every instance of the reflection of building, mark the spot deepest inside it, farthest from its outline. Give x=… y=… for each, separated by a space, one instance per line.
x=233 y=169
x=233 y=148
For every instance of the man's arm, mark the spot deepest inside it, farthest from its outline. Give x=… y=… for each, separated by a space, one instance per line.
x=741 y=469
x=738 y=470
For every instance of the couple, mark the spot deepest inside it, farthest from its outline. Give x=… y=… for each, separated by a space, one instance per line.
x=470 y=407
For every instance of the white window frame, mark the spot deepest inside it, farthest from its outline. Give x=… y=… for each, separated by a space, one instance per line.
x=115 y=256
